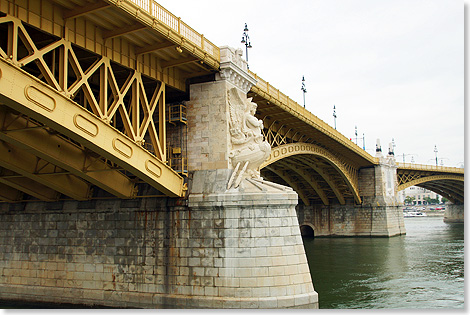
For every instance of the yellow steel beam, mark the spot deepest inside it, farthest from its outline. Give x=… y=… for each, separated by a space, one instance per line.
x=89 y=8
x=29 y=136
x=159 y=19
x=429 y=168
x=28 y=186
x=292 y=149
x=444 y=191
x=277 y=98
x=328 y=179
x=430 y=179
x=309 y=179
x=9 y=194
x=292 y=183
x=178 y=62
x=26 y=165
x=152 y=48
x=30 y=96
x=123 y=30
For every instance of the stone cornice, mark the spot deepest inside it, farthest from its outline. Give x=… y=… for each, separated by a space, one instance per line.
x=234 y=70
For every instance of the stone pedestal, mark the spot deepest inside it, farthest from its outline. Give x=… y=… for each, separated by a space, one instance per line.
x=253 y=239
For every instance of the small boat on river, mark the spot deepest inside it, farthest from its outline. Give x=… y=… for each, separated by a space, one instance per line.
x=414 y=214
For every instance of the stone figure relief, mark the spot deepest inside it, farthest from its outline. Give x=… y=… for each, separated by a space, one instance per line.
x=249 y=149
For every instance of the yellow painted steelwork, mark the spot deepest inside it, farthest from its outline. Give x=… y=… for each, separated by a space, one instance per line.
x=34 y=98
x=108 y=83
x=35 y=138
x=445 y=181
x=347 y=172
x=298 y=123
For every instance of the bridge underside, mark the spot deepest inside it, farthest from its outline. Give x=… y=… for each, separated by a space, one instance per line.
x=450 y=189
x=313 y=178
x=449 y=185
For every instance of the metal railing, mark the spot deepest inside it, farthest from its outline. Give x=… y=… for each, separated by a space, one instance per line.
x=172 y=22
x=431 y=168
x=299 y=111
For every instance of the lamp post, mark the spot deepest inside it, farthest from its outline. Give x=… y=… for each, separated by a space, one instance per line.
x=246 y=40
x=435 y=151
x=404 y=155
x=334 y=114
x=355 y=131
x=303 y=88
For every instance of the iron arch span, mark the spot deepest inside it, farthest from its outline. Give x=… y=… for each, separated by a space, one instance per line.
x=449 y=186
x=346 y=171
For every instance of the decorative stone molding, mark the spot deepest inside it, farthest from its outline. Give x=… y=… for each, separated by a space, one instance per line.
x=249 y=149
x=234 y=69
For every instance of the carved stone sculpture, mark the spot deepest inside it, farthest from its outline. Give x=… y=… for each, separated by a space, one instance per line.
x=249 y=149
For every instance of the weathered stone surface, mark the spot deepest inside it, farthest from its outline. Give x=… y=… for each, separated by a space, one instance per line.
x=379 y=215
x=222 y=251
x=454 y=213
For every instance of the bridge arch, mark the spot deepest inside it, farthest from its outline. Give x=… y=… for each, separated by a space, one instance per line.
x=448 y=186
x=307 y=229
x=347 y=172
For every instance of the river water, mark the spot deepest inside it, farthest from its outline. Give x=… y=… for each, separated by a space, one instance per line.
x=423 y=269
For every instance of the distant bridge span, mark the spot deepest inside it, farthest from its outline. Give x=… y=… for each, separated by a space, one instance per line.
x=445 y=181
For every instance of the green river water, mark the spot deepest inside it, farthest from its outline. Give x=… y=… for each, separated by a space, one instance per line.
x=423 y=269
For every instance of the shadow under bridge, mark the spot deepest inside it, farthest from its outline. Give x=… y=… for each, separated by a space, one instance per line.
x=313 y=172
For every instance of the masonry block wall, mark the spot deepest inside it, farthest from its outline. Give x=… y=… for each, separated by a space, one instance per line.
x=351 y=220
x=454 y=213
x=148 y=253
x=209 y=138
x=114 y=253
x=378 y=216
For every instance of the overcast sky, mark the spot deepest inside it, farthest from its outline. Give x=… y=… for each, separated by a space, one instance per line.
x=393 y=68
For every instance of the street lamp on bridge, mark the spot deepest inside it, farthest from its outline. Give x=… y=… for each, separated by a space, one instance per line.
x=404 y=155
x=246 y=40
x=435 y=151
x=334 y=114
x=355 y=132
x=304 y=89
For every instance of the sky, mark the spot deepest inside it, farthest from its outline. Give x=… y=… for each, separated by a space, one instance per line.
x=393 y=69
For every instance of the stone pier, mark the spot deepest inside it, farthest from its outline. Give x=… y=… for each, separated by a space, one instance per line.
x=379 y=215
x=259 y=245
x=454 y=213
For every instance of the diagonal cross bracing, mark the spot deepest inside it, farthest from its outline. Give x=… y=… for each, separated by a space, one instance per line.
x=34 y=98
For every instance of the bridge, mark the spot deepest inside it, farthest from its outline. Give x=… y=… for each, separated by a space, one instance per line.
x=122 y=179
